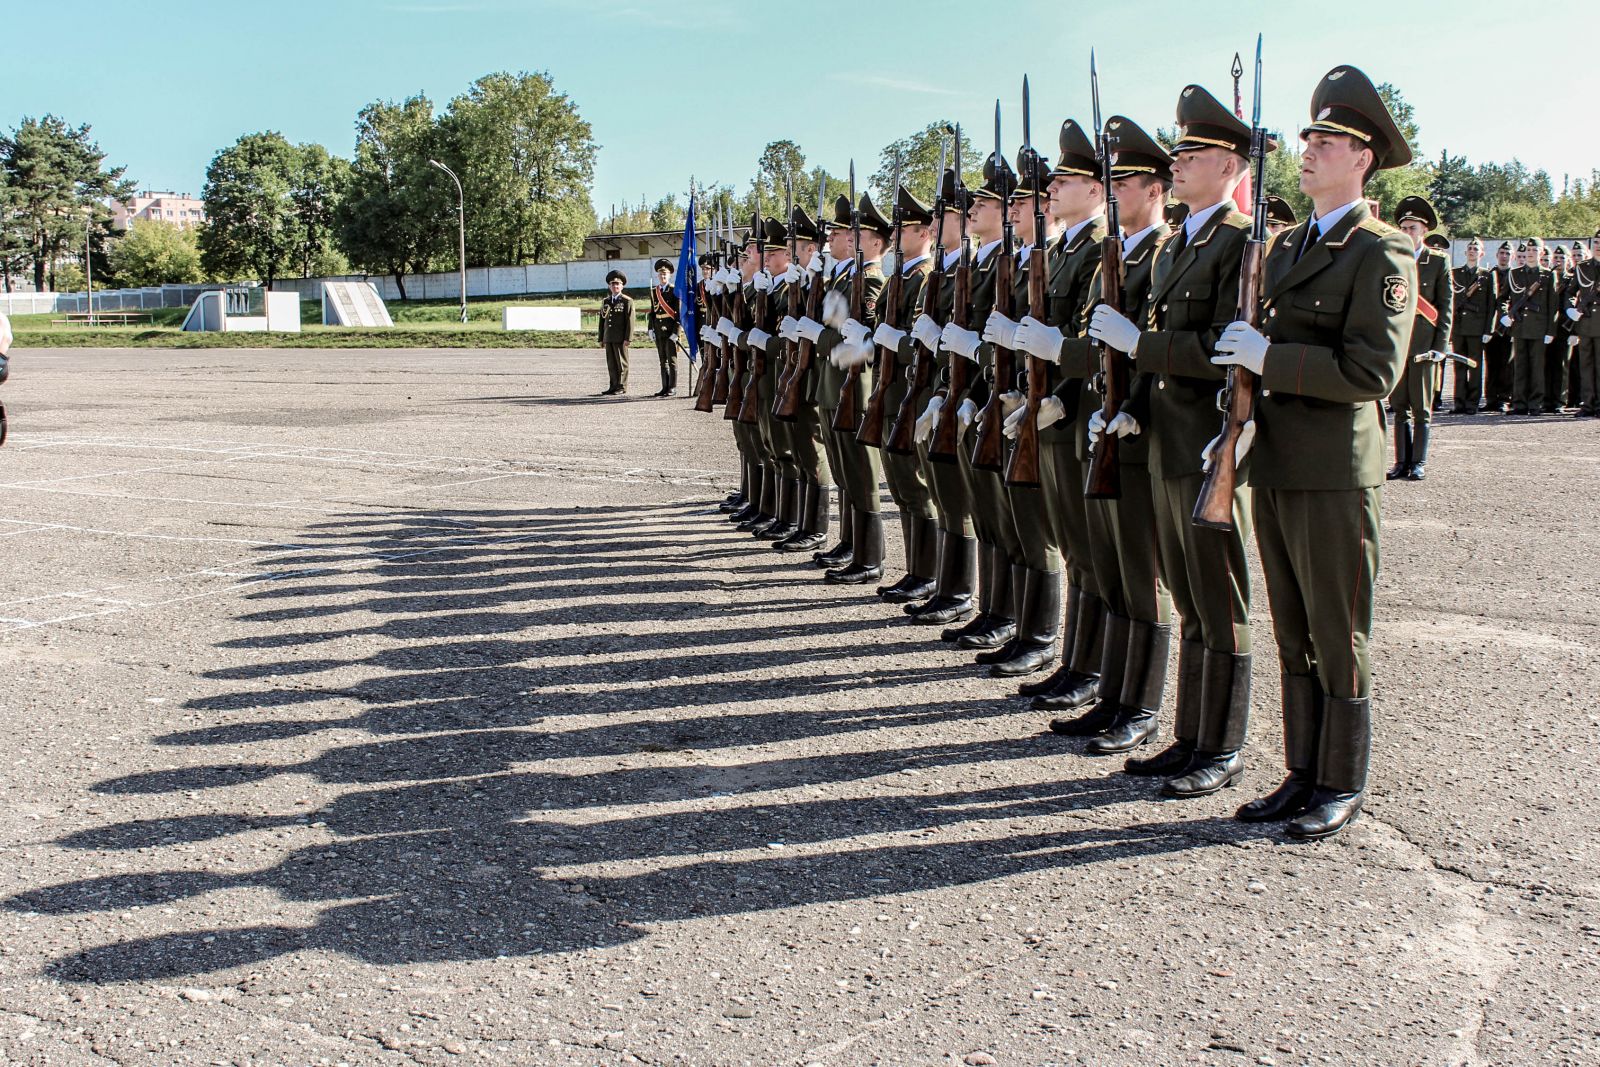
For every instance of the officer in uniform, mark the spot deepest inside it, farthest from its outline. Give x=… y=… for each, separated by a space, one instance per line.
x=908 y=486
x=1193 y=295
x=766 y=348
x=1280 y=215
x=957 y=577
x=1412 y=399
x=1341 y=302
x=662 y=319
x=616 y=332
x=739 y=280
x=1475 y=294
x=1583 y=311
x=805 y=430
x=1533 y=301
x=1497 y=377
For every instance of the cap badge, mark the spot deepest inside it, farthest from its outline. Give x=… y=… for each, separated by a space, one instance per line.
x=1324 y=113
x=1336 y=75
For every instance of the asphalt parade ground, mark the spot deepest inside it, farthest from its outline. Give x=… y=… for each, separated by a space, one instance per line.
x=416 y=707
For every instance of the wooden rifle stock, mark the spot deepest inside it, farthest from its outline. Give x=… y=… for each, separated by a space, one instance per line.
x=706 y=392
x=988 y=452
x=1022 y=469
x=847 y=416
x=902 y=435
x=872 y=427
x=1214 y=508
x=1516 y=311
x=947 y=435
x=1103 y=480
x=790 y=353
x=751 y=401
x=787 y=405
x=736 y=358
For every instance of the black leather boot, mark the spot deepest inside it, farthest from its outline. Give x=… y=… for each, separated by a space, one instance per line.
x=1174 y=759
x=1224 y=718
x=866 y=563
x=1302 y=723
x=771 y=500
x=752 y=497
x=1402 y=451
x=1078 y=681
x=739 y=496
x=788 y=511
x=952 y=595
x=1113 y=664
x=986 y=594
x=1419 y=452
x=991 y=632
x=1143 y=682
x=813 y=531
x=842 y=553
x=922 y=561
x=1343 y=752
x=1038 y=625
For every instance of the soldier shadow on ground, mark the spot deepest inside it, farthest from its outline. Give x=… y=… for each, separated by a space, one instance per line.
x=462 y=835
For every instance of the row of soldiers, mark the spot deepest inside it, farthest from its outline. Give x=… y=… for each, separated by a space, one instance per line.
x=1029 y=572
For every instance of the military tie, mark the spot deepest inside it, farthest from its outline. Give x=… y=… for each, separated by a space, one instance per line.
x=1180 y=240
x=1313 y=235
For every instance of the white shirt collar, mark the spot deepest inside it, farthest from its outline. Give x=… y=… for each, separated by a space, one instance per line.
x=1070 y=234
x=1197 y=219
x=1130 y=242
x=984 y=251
x=1022 y=253
x=1327 y=222
x=951 y=258
x=906 y=267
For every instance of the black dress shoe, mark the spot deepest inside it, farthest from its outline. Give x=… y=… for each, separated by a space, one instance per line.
x=1327 y=812
x=981 y=621
x=1397 y=472
x=1076 y=691
x=1416 y=473
x=1005 y=651
x=992 y=636
x=908 y=589
x=1132 y=729
x=670 y=392
x=734 y=503
x=1029 y=658
x=855 y=574
x=941 y=611
x=1170 y=761
x=756 y=521
x=1290 y=799
x=1041 y=686
x=799 y=541
x=839 y=555
x=1093 y=721
x=750 y=510
x=1209 y=772
x=776 y=532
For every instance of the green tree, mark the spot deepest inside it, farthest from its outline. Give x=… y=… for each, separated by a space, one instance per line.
x=526 y=160
x=318 y=183
x=919 y=154
x=398 y=215
x=668 y=213
x=56 y=180
x=155 y=253
x=251 y=226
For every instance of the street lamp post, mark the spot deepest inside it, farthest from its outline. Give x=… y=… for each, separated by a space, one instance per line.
x=461 y=218
x=88 y=262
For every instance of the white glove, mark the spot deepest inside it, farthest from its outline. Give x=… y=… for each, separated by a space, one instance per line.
x=1433 y=357
x=1010 y=402
x=710 y=337
x=1241 y=344
x=1247 y=436
x=928 y=421
x=1487 y=338
x=762 y=281
x=1112 y=329
x=809 y=328
x=1122 y=425
x=886 y=336
x=853 y=331
x=1001 y=331
x=1572 y=342
x=814 y=264
x=789 y=328
x=1039 y=340
x=1015 y=412
x=848 y=355
x=835 y=309
x=1574 y=314
x=965 y=414
x=926 y=331
x=727 y=329
x=792 y=275
x=1051 y=411
x=1505 y=320
x=1548 y=338
x=758 y=338
x=962 y=342
x=712 y=286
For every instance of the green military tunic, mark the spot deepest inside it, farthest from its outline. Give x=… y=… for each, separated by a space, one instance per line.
x=908 y=486
x=985 y=489
x=855 y=467
x=616 y=333
x=1583 y=296
x=1529 y=328
x=1038 y=545
x=951 y=498
x=1475 y=294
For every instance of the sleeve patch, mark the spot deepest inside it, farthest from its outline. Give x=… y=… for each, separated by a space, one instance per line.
x=1396 y=291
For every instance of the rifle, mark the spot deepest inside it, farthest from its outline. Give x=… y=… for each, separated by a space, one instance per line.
x=787 y=405
x=706 y=388
x=1023 y=467
x=1516 y=311
x=740 y=314
x=846 y=419
x=947 y=435
x=1103 y=480
x=759 y=320
x=792 y=308
x=902 y=435
x=872 y=428
x=724 y=309
x=1591 y=303
x=1214 y=508
x=988 y=452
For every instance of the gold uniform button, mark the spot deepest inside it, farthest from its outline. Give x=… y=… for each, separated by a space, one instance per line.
x=1272 y=312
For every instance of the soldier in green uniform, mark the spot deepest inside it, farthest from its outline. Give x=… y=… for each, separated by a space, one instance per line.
x=957 y=577
x=1529 y=318
x=1280 y=215
x=995 y=622
x=1583 y=311
x=1412 y=399
x=842 y=342
x=771 y=285
x=908 y=486
x=616 y=331
x=805 y=431
x=1475 y=294
x=1341 y=301
x=760 y=510
x=662 y=319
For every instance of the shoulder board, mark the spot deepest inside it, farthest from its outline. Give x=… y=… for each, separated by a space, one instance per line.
x=1237 y=219
x=1272 y=240
x=1377 y=226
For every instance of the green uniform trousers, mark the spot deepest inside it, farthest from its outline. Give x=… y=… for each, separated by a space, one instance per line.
x=1588 y=399
x=948 y=487
x=1469 y=380
x=1319 y=552
x=1527 y=374
x=1037 y=546
x=1412 y=398
x=991 y=508
x=908 y=485
x=1205 y=570
x=777 y=435
x=807 y=442
x=856 y=469
x=617 y=366
x=1125 y=551
x=1061 y=473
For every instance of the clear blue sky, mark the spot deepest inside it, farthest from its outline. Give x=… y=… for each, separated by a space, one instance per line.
x=166 y=85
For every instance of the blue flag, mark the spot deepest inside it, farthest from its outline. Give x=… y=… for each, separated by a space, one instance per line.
x=688 y=306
